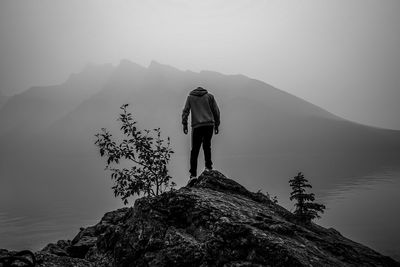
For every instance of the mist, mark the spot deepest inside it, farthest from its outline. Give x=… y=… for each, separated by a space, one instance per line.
x=326 y=52
x=50 y=168
x=309 y=86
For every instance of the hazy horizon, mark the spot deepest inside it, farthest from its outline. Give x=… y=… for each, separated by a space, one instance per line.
x=88 y=65
x=326 y=52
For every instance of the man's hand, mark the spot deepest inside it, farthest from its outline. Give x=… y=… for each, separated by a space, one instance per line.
x=216 y=130
x=185 y=129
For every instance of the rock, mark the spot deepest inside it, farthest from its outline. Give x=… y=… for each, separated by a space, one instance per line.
x=50 y=260
x=59 y=249
x=215 y=222
x=17 y=258
x=82 y=246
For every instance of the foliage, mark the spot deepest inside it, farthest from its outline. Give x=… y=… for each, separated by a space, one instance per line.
x=306 y=209
x=148 y=152
x=273 y=199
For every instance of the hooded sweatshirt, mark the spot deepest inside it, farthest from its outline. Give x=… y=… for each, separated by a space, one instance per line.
x=204 y=109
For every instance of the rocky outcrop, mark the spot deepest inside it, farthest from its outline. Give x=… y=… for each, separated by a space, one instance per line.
x=214 y=222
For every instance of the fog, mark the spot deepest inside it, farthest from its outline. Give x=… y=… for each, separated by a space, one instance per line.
x=290 y=77
x=326 y=52
x=51 y=173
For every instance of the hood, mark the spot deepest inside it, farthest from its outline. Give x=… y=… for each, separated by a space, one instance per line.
x=199 y=91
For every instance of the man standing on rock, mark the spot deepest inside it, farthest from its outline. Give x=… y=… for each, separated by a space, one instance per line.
x=205 y=121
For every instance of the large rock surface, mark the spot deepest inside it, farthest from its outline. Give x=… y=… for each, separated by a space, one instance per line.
x=214 y=222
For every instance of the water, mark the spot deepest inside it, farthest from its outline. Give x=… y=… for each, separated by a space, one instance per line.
x=365 y=210
x=37 y=230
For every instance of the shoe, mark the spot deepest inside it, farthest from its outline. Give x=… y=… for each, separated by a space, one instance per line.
x=192 y=180
x=208 y=169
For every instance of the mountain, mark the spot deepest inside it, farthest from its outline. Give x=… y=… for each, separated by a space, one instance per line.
x=24 y=168
x=3 y=99
x=38 y=107
x=50 y=130
x=266 y=136
x=214 y=222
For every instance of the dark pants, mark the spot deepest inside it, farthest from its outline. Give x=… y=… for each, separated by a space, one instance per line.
x=201 y=135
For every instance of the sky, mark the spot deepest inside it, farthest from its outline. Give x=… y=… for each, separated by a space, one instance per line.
x=342 y=55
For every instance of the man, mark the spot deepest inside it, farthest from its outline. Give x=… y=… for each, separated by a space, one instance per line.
x=204 y=121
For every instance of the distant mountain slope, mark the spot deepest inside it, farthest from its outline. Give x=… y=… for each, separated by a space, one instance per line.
x=258 y=120
x=36 y=108
x=3 y=99
x=266 y=135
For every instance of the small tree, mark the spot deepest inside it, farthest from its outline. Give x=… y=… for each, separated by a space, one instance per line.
x=148 y=152
x=306 y=209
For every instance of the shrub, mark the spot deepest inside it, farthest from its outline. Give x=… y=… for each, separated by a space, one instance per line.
x=148 y=153
x=306 y=210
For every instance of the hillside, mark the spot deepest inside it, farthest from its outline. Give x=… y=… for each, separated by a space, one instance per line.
x=215 y=222
x=35 y=109
x=3 y=99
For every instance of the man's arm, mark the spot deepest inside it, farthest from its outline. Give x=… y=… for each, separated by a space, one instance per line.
x=216 y=114
x=185 y=115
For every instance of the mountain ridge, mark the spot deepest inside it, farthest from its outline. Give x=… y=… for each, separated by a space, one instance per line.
x=156 y=66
